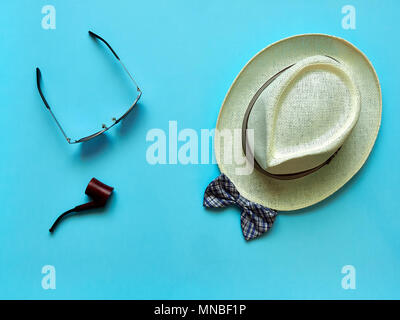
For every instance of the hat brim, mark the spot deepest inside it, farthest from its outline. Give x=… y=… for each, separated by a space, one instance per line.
x=295 y=194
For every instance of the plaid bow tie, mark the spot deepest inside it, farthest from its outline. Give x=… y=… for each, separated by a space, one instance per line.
x=255 y=219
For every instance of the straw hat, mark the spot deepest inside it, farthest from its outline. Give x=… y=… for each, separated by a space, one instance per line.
x=309 y=111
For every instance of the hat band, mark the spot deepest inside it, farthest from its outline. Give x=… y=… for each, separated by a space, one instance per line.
x=245 y=144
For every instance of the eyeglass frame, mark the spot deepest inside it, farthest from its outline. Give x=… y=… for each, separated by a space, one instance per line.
x=105 y=128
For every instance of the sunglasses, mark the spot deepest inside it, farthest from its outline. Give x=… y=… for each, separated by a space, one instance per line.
x=104 y=127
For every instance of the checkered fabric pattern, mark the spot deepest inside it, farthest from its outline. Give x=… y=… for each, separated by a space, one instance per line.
x=255 y=219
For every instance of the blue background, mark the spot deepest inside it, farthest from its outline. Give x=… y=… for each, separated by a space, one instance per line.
x=155 y=240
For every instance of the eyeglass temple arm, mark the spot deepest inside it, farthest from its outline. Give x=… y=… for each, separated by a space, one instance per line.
x=116 y=56
x=105 y=42
x=38 y=76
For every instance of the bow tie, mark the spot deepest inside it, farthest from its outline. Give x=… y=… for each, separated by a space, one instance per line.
x=255 y=219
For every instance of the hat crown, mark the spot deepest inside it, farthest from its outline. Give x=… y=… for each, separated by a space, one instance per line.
x=304 y=115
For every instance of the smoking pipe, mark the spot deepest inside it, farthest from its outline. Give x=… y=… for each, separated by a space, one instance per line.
x=98 y=191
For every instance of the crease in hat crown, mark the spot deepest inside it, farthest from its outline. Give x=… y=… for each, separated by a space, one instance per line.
x=304 y=116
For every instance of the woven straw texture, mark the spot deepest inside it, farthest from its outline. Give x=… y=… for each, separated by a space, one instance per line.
x=299 y=193
x=304 y=116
